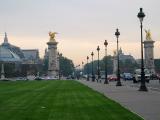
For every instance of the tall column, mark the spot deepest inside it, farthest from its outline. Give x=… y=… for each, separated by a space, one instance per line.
x=149 y=55
x=52 y=56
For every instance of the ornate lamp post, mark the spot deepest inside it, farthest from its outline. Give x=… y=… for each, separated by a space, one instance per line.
x=98 y=70
x=87 y=69
x=143 y=87
x=82 y=68
x=106 y=80
x=117 y=33
x=93 y=77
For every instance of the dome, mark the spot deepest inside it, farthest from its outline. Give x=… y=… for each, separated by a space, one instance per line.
x=7 y=55
x=12 y=48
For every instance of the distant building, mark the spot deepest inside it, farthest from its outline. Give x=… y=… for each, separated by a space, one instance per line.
x=46 y=54
x=122 y=57
x=13 y=54
x=31 y=56
x=14 y=49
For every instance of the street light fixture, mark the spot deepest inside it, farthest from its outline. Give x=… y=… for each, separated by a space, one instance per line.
x=87 y=69
x=117 y=33
x=93 y=77
x=98 y=70
x=105 y=61
x=143 y=87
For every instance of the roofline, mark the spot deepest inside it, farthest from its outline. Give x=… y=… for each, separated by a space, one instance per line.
x=29 y=49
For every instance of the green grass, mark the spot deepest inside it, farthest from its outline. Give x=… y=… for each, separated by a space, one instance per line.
x=57 y=100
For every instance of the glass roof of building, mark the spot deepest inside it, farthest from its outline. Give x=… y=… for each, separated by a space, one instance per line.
x=7 y=55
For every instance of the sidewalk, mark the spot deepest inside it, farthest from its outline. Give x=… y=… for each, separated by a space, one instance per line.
x=145 y=104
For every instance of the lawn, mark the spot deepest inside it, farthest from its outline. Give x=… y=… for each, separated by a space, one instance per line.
x=57 y=100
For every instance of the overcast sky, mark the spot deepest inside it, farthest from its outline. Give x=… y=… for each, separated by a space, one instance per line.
x=82 y=25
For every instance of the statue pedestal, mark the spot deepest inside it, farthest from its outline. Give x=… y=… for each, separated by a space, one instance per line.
x=52 y=59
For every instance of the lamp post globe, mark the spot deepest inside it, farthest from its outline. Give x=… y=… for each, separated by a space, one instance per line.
x=143 y=87
x=117 y=33
x=93 y=77
x=105 y=61
x=87 y=69
x=98 y=70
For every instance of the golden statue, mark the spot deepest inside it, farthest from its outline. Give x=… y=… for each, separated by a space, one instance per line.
x=148 y=35
x=52 y=36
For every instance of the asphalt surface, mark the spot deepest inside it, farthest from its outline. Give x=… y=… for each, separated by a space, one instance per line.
x=145 y=104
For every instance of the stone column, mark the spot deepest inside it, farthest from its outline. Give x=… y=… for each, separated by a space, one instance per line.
x=52 y=56
x=2 y=72
x=149 y=55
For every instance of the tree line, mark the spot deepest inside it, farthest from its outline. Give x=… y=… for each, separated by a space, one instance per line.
x=67 y=67
x=125 y=65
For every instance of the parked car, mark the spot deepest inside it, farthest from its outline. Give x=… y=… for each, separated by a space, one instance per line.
x=38 y=78
x=49 y=78
x=112 y=77
x=138 y=75
x=127 y=76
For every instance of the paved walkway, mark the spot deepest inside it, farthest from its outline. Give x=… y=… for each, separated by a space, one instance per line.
x=145 y=104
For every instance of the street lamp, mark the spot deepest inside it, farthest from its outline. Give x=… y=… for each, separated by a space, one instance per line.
x=98 y=71
x=93 y=77
x=143 y=87
x=82 y=68
x=117 y=33
x=105 y=44
x=87 y=69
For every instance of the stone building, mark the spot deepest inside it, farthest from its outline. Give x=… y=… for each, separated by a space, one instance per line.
x=12 y=54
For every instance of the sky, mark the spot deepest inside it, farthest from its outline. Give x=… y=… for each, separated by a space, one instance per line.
x=82 y=25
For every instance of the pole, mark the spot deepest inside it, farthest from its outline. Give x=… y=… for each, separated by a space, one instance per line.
x=142 y=86
x=118 y=70
x=106 y=80
x=92 y=70
x=98 y=68
x=87 y=69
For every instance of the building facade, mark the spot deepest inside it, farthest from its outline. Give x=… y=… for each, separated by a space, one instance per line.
x=122 y=58
x=11 y=54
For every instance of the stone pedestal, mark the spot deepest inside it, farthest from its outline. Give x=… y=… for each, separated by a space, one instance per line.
x=52 y=60
x=149 y=55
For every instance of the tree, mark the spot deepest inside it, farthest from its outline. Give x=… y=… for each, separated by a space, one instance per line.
x=109 y=64
x=157 y=65
x=101 y=64
x=66 y=66
x=128 y=66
